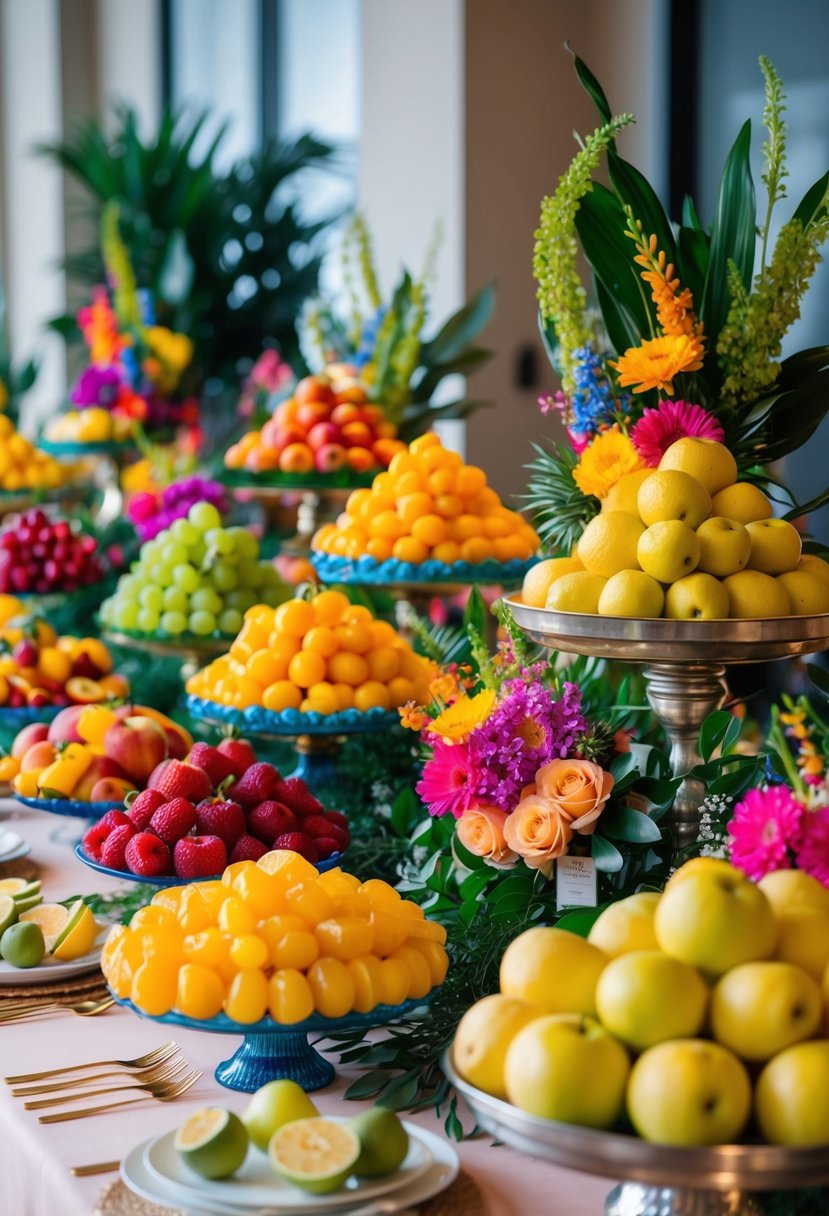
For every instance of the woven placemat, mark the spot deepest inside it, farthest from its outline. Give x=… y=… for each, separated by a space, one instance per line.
x=462 y=1198
x=20 y=868
x=81 y=987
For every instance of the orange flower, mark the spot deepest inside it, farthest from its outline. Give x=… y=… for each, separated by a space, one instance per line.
x=412 y=716
x=579 y=789
x=538 y=831
x=655 y=363
x=481 y=831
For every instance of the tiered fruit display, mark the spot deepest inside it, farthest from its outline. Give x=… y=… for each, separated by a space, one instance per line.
x=91 y=753
x=275 y=938
x=43 y=553
x=429 y=505
x=40 y=669
x=692 y=1013
x=324 y=655
x=327 y=424
x=686 y=541
x=93 y=425
x=217 y=805
x=31 y=930
x=196 y=577
x=312 y=1153
x=22 y=465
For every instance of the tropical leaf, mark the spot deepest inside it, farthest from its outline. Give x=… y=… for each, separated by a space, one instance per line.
x=733 y=236
x=559 y=510
x=600 y=223
x=593 y=89
x=813 y=201
x=460 y=330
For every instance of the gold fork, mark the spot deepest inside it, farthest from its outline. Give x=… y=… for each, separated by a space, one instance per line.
x=174 y=1091
x=156 y=1056
x=160 y=1081
x=86 y=1009
x=158 y=1072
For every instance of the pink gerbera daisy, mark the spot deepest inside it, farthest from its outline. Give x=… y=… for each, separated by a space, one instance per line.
x=813 y=849
x=657 y=429
x=765 y=830
x=447 y=785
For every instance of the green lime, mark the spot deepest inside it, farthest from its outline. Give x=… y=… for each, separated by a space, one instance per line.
x=30 y=901
x=384 y=1142
x=22 y=945
x=8 y=913
x=212 y=1142
x=274 y=1105
x=28 y=891
x=315 y=1155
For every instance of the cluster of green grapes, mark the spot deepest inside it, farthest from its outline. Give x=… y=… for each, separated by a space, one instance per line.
x=195 y=577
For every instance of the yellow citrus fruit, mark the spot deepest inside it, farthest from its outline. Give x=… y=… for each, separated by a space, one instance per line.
x=815 y=566
x=484 y=1033
x=787 y=889
x=696 y=597
x=724 y=546
x=77 y=936
x=803 y=939
x=775 y=546
x=672 y=494
x=623 y=496
x=710 y=462
x=626 y=925
x=742 y=501
x=577 y=592
x=754 y=595
x=631 y=593
x=539 y=578
x=608 y=543
x=808 y=594
x=541 y=952
x=668 y=550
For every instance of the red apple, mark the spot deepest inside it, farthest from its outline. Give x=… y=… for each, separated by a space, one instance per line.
x=330 y=458
x=343 y=414
x=310 y=413
x=63 y=727
x=82 y=665
x=177 y=745
x=322 y=434
x=296 y=458
x=110 y=789
x=35 y=732
x=138 y=745
x=100 y=769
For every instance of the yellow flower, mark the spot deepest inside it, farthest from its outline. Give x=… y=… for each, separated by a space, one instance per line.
x=458 y=721
x=655 y=363
x=608 y=458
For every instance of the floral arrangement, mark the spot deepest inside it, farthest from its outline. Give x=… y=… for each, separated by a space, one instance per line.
x=782 y=823
x=268 y=380
x=151 y=513
x=685 y=336
x=135 y=366
x=385 y=338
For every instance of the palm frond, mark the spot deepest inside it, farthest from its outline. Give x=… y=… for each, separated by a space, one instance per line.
x=559 y=510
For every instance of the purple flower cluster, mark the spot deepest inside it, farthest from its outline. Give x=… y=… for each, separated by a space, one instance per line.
x=527 y=729
x=151 y=513
x=771 y=830
x=97 y=386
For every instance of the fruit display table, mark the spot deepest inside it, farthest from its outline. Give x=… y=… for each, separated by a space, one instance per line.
x=35 y=1159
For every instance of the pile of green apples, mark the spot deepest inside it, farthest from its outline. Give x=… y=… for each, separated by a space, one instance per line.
x=697 y=1016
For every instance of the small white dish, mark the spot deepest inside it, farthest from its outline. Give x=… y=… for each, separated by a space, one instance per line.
x=52 y=970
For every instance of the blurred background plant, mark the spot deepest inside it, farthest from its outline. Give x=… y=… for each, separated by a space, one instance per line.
x=14 y=380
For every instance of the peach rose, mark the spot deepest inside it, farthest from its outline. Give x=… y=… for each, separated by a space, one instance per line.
x=578 y=788
x=538 y=831
x=481 y=830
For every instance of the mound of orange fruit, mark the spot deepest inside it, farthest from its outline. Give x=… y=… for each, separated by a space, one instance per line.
x=277 y=938
x=322 y=655
x=429 y=505
x=23 y=466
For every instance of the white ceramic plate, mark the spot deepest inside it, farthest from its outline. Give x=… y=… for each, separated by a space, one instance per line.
x=22 y=850
x=9 y=842
x=434 y=1179
x=52 y=970
x=255 y=1185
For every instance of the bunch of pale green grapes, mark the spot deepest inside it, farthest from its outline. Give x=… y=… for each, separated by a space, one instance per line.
x=195 y=577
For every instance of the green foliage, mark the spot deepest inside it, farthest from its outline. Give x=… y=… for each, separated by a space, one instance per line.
x=559 y=510
x=228 y=258
x=15 y=381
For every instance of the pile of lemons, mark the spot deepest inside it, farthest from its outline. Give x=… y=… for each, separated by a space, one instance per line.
x=685 y=541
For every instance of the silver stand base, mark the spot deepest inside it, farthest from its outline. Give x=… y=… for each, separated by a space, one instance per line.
x=633 y=1199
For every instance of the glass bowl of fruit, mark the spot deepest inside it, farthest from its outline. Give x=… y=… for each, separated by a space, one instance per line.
x=274 y=951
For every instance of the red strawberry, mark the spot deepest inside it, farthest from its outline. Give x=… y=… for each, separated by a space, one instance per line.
x=113 y=819
x=217 y=766
x=327 y=847
x=141 y=809
x=223 y=819
x=248 y=848
x=298 y=842
x=147 y=854
x=338 y=819
x=94 y=839
x=321 y=826
x=271 y=819
x=295 y=793
x=115 y=845
x=175 y=779
x=199 y=856
x=239 y=752
x=173 y=820
x=255 y=785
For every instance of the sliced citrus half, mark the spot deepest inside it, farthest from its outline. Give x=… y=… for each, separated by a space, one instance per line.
x=52 y=919
x=8 y=913
x=18 y=886
x=77 y=936
x=213 y=1142
x=314 y=1154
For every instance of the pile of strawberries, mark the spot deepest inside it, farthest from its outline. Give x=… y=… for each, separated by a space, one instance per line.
x=216 y=806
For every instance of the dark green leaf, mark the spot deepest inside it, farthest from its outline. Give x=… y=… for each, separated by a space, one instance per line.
x=623 y=823
x=593 y=89
x=818 y=676
x=813 y=202
x=635 y=190
x=690 y=219
x=622 y=765
x=692 y=260
x=461 y=329
x=712 y=731
x=600 y=223
x=606 y=856
x=368 y=1085
x=733 y=236
x=580 y=920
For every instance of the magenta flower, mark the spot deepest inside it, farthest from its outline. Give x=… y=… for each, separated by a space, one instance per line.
x=765 y=831
x=98 y=386
x=447 y=785
x=657 y=429
x=812 y=853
